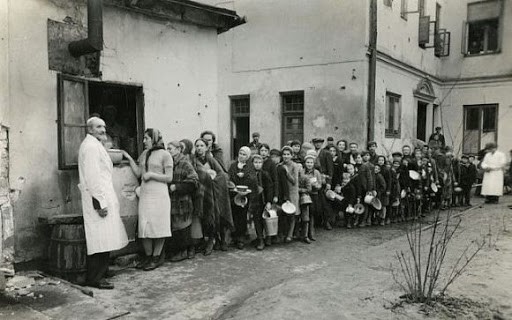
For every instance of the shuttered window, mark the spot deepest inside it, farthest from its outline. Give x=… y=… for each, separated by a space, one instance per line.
x=73 y=110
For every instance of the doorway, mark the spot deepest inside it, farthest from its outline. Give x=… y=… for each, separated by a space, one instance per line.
x=421 y=121
x=240 y=120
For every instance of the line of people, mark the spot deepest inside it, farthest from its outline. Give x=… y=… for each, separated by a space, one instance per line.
x=190 y=199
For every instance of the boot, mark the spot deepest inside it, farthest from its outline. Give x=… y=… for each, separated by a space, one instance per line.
x=191 y=252
x=268 y=241
x=153 y=264
x=311 y=229
x=260 y=245
x=144 y=262
x=305 y=232
x=209 y=247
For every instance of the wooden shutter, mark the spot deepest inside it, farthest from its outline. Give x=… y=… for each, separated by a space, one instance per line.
x=73 y=110
x=424 y=30
x=464 y=38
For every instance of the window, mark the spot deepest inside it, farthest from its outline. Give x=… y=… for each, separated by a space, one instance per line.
x=240 y=116
x=403 y=9
x=393 y=115
x=293 y=116
x=480 y=126
x=482 y=30
x=120 y=106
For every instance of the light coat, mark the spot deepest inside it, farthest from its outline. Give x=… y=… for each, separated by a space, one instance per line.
x=95 y=170
x=492 y=184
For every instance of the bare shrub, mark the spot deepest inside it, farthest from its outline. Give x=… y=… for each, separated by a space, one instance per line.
x=422 y=273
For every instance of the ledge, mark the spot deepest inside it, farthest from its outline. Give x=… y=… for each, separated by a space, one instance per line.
x=184 y=11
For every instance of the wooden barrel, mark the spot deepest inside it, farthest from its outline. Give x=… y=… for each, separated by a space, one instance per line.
x=68 y=252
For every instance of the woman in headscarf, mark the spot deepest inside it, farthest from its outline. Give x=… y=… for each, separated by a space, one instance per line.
x=156 y=170
x=182 y=188
x=186 y=147
x=216 y=211
x=241 y=173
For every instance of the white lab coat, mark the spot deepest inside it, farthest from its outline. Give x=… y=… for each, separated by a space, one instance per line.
x=95 y=169
x=492 y=184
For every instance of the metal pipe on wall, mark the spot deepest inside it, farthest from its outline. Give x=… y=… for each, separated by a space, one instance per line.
x=94 y=41
x=372 y=71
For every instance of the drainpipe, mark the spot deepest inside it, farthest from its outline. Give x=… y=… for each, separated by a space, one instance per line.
x=94 y=41
x=372 y=70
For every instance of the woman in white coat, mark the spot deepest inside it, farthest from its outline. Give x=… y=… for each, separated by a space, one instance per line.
x=156 y=169
x=493 y=165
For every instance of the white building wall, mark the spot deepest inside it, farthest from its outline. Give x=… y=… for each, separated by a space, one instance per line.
x=138 y=50
x=315 y=46
x=398 y=37
x=498 y=92
x=457 y=65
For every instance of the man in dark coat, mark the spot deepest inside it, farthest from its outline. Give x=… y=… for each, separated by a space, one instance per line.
x=436 y=139
x=325 y=165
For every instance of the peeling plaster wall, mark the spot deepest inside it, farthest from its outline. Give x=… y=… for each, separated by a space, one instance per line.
x=315 y=46
x=175 y=63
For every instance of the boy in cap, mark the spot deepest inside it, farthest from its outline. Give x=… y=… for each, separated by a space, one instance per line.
x=255 y=144
x=372 y=149
x=262 y=199
x=466 y=180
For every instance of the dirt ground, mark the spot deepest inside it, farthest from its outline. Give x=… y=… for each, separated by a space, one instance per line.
x=345 y=274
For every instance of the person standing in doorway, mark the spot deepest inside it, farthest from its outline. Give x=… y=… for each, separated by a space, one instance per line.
x=156 y=170
x=255 y=144
x=493 y=165
x=104 y=230
x=436 y=139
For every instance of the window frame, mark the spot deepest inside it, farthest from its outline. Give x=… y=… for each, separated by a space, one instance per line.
x=234 y=115
x=139 y=109
x=465 y=31
x=480 y=108
x=392 y=133
x=285 y=113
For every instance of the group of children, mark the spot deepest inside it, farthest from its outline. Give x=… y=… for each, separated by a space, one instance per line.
x=336 y=184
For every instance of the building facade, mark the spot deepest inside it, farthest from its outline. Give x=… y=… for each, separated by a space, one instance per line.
x=297 y=70
x=157 y=69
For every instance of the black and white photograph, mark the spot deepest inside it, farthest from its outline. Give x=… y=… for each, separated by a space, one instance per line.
x=255 y=159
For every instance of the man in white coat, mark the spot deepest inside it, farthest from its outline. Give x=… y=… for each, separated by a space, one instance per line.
x=104 y=230
x=493 y=165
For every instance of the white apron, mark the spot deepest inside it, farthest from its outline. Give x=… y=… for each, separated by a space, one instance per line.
x=95 y=169
x=492 y=184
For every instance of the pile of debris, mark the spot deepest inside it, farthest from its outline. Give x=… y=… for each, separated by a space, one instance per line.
x=25 y=284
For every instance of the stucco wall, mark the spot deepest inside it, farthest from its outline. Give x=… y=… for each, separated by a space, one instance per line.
x=403 y=83
x=456 y=65
x=399 y=38
x=453 y=113
x=138 y=50
x=288 y=45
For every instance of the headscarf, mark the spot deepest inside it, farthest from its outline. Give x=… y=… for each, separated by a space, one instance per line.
x=247 y=151
x=157 y=140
